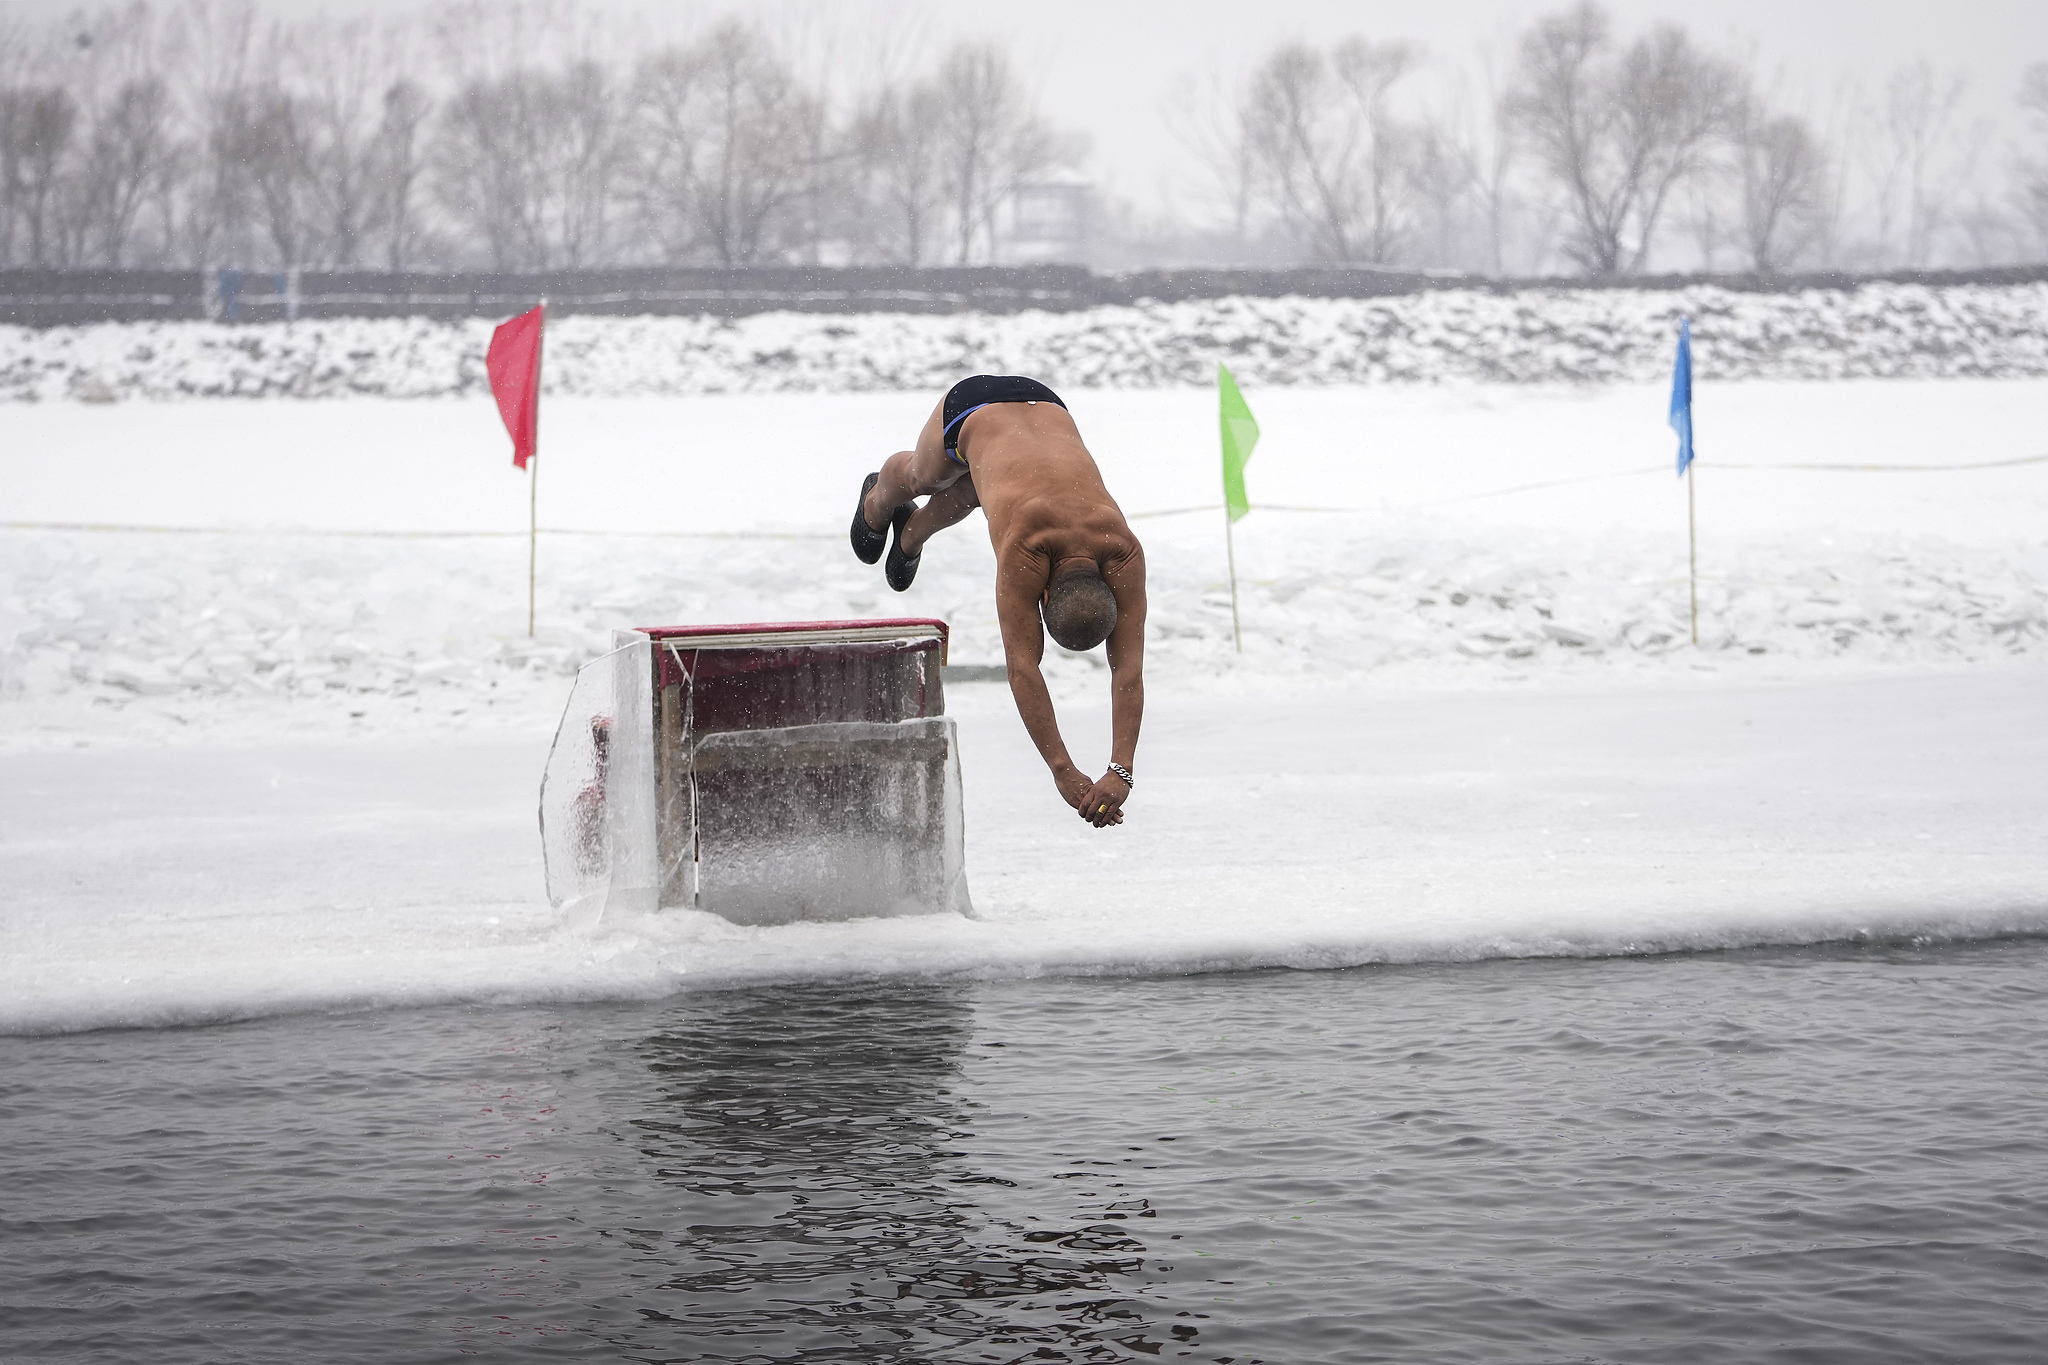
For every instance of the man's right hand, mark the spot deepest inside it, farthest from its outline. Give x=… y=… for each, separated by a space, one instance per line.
x=1082 y=792
x=1103 y=803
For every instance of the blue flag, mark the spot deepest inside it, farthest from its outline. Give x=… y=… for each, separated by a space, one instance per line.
x=1681 y=395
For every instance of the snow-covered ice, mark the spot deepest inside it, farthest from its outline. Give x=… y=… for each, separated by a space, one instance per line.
x=273 y=762
x=1315 y=829
x=732 y=508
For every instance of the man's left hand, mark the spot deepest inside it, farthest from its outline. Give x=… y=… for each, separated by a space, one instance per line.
x=1103 y=805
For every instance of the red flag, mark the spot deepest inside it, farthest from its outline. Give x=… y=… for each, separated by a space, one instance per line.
x=514 y=366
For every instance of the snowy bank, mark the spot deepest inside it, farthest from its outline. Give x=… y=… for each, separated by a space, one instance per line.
x=1531 y=337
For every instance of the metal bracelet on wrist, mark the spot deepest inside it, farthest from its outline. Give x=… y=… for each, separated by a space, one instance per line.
x=1125 y=773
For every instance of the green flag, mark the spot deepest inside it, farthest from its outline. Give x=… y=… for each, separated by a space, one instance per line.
x=1240 y=434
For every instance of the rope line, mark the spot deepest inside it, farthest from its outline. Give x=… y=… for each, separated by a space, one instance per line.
x=1891 y=468
x=1547 y=483
x=1710 y=467
x=1622 y=474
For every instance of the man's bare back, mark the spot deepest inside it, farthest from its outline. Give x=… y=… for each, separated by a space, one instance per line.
x=1008 y=446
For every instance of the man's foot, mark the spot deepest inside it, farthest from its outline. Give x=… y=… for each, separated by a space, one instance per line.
x=901 y=570
x=868 y=543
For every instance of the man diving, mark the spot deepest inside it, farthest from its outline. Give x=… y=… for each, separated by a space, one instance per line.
x=1006 y=444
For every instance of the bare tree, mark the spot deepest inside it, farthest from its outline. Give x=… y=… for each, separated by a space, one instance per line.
x=527 y=164
x=489 y=159
x=824 y=205
x=397 y=167
x=897 y=157
x=1206 y=119
x=992 y=140
x=1984 y=233
x=271 y=141
x=666 y=100
x=812 y=45
x=338 y=68
x=727 y=139
x=1920 y=162
x=76 y=60
x=216 y=50
x=128 y=151
x=1783 y=174
x=142 y=152
x=138 y=131
x=1443 y=171
x=1495 y=169
x=12 y=150
x=1618 y=131
x=219 y=202
x=590 y=116
x=1708 y=204
x=2032 y=189
x=37 y=125
x=14 y=56
x=1333 y=158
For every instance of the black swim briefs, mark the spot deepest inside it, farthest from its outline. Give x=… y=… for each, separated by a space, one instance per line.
x=980 y=390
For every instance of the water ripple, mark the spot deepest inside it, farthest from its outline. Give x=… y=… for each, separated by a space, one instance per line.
x=1820 y=1154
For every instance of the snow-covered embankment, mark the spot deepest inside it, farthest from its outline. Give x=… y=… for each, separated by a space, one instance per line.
x=1886 y=331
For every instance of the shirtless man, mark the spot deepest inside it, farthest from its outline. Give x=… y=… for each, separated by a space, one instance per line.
x=1006 y=444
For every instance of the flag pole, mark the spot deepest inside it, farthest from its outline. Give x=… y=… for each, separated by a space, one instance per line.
x=533 y=535
x=533 y=476
x=1230 y=553
x=1681 y=422
x=1692 y=539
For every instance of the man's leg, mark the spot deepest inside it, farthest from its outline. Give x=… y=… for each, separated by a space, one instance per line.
x=914 y=474
x=947 y=506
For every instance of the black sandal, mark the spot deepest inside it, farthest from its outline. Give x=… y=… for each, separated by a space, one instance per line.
x=901 y=570
x=868 y=543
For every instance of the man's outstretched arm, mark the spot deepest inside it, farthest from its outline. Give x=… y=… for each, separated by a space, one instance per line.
x=1024 y=650
x=1105 y=799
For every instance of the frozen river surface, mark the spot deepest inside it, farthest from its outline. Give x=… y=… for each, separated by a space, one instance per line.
x=1323 y=829
x=1771 y=1155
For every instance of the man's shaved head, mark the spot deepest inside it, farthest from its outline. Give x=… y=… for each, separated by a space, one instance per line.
x=1080 y=609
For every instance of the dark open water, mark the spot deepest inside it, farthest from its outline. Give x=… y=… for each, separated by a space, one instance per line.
x=1814 y=1155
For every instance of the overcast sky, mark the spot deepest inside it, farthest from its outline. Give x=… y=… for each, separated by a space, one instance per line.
x=1110 y=67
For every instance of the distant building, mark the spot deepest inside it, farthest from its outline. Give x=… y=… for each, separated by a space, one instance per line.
x=1051 y=220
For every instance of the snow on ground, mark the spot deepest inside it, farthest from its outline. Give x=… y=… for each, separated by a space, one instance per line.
x=276 y=762
x=121 y=634
x=732 y=508
x=1532 y=336
x=1311 y=828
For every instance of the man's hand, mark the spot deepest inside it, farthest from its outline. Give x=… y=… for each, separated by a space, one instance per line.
x=1101 y=804
x=1073 y=784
